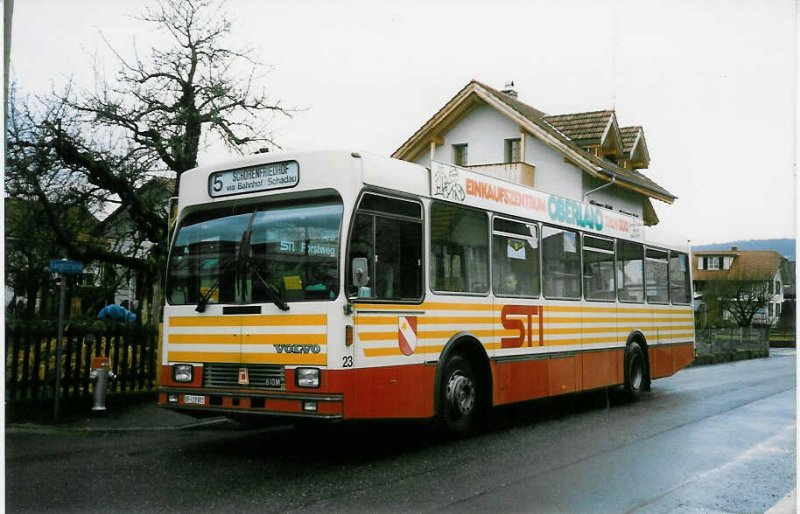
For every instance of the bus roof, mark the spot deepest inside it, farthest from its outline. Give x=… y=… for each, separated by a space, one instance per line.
x=350 y=170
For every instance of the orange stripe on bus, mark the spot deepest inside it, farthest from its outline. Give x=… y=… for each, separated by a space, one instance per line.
x=395 y=351
x=282 y=320
x=205 y=338
x=363 y=319
x=248 y=339
x=319 y=359
x=454 y=320
x=615 y=309
x=434 y=306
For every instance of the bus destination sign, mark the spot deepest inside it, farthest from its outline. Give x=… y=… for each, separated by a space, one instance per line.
x=264 y=177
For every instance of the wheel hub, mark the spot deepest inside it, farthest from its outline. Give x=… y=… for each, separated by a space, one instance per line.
x=460 y=394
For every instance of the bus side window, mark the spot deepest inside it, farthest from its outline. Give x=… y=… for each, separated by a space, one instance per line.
x=679 y=285
x=388 y=233
x=656 y=281
x=630 y=272
x=515 y=258
x=598 y=268
x=459 y=249
x=561 y=263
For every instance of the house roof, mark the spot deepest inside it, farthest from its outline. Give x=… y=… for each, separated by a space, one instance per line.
x=535 y=122
x=588 y=127
x=747 y=265
x=634 y=145
x=156 y=189
x=629 y=136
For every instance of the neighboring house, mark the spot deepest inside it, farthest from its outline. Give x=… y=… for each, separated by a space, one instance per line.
x=585 y=157
x=766 y=270
x=121 y=235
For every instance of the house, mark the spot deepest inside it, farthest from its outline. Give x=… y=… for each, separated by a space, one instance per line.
x=585 y=156
x=760 y=274
x=121 y=235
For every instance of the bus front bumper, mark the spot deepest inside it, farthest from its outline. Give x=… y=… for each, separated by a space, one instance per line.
x=237 y=403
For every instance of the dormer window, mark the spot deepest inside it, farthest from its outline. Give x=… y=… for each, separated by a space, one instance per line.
x=460 y=154
x=713 y=263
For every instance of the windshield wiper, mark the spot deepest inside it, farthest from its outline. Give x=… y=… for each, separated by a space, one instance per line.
x=244 y=254
x=201 y=305
x=223 y=265
x=272 y=292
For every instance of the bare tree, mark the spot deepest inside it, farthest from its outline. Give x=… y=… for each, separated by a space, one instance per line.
x=96 y=149
x=742 y=294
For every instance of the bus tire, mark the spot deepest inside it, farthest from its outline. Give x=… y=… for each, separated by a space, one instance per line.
x=460 y=397
x=635 y=371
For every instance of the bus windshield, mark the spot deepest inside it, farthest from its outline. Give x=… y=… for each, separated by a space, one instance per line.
x=274 y=253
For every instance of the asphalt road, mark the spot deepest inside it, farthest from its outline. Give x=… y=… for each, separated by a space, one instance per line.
x=715 y=438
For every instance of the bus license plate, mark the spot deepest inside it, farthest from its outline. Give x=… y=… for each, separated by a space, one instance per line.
x=192 y=399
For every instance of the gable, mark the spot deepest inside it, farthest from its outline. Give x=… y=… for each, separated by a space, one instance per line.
x=532 y=122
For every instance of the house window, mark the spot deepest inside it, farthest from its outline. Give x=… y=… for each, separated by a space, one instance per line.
x=712 y=263
x=512 y=152
x=460 y=154
x=727 y=262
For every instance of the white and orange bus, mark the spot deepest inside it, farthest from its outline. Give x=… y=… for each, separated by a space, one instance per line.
x=340 y=285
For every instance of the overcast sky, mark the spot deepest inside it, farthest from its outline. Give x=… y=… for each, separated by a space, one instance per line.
x=713 y=83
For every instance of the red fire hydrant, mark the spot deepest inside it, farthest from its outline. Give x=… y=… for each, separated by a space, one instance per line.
x=100 y=375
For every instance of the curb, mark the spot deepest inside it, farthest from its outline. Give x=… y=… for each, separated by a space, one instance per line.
x=788 y=505
x=43 y=429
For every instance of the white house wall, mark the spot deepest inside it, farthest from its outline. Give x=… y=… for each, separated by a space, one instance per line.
x=617 y=197
x=552 y=174
x=485 y=130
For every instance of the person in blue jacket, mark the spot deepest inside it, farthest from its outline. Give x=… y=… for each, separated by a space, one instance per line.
x=116 y=312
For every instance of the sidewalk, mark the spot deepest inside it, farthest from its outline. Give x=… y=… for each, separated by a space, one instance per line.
x=125 y=417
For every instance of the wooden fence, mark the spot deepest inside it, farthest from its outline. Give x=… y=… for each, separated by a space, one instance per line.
x=31 y=360
x=722 y=344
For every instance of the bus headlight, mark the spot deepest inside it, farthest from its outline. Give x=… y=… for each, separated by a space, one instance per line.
x=306 y=377
x=182 y=372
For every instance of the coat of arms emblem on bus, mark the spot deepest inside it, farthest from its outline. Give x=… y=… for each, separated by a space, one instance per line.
x=407 y=334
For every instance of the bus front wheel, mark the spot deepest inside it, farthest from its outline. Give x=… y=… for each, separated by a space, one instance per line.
x=635 y=371
x=460 y=400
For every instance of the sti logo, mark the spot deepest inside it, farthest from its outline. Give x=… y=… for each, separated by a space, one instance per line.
x=520 y=318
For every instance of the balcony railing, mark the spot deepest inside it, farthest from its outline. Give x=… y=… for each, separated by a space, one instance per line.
x=516 y=172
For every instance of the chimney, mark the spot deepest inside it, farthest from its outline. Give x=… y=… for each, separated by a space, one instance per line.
x=508 y=89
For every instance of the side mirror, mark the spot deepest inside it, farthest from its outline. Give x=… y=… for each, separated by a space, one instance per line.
x=360 y=272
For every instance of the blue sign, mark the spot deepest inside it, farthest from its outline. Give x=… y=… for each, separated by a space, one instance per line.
x=66 y=267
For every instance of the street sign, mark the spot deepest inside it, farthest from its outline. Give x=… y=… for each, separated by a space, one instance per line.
x=66 y=267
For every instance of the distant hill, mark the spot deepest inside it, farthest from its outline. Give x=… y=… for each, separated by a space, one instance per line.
x=785 y=247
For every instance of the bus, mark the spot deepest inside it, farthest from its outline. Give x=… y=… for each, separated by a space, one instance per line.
x=347 y=286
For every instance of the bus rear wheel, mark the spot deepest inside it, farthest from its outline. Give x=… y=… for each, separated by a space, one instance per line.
x=460 y=396
x=635 y=371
